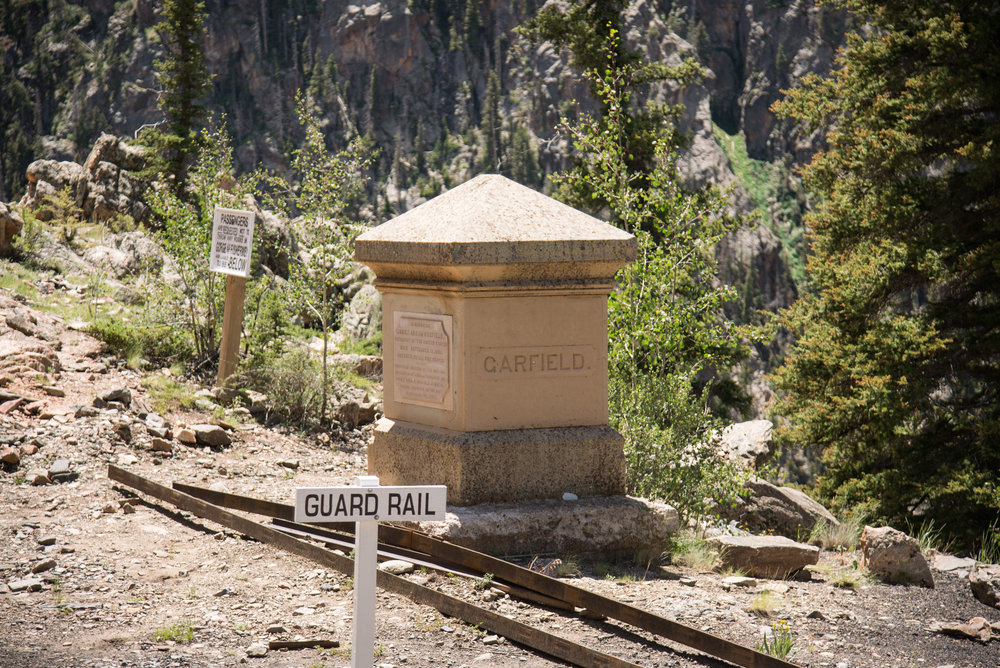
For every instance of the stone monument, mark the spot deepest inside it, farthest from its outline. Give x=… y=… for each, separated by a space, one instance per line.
x=495 y=346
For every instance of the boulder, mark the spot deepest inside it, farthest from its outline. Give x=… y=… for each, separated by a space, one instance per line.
x=775 y=557
x=785 y=511
x=892 y=556
x=748 y=443
x=210 y=435
x=986 y=586
x=10 y=226
x=363 y=317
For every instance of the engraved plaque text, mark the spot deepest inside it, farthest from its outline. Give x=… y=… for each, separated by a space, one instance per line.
x=422 y=359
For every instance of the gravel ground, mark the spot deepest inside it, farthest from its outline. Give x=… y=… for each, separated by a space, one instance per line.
x=120 y=578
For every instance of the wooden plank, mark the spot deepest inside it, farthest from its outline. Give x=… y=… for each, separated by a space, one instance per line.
x=539 y=640
x=303 y=644
x=232 y=325
x=465 y=558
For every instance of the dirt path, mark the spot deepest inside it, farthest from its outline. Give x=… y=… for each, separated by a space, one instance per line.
x=114 y=574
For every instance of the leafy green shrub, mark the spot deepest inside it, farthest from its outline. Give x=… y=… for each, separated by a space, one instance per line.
x=158 y=344
x=665 y=314
x=293 y=382
x=181 y=632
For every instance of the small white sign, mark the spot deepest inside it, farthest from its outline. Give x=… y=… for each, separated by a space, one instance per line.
x=232 y=242
x=366 y=505
x=384 y=504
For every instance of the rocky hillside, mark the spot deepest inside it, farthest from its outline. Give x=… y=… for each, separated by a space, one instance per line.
x=413 y=76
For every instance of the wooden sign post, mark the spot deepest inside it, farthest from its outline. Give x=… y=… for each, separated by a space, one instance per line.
x=232 y=246
x=365 y=505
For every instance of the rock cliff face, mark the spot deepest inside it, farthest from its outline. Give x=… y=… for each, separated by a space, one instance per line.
x=412 y=74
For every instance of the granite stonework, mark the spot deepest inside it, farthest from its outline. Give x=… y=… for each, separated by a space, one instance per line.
x=606 y=526
x=494 y=303
x=510 y=464
x=495 y=371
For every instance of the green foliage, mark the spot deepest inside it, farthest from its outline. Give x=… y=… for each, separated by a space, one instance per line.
x=328 y=184
x=989 y=545
x=128 y=341
x=665 y=314
x=184 y=80
x=483 y=583
x=492 y=125
x=168 y=393
x=842 y=536
x=29 y=241
x=781 y=644
x=689 y=548
x=186 y=235
x=894 y=376
x=766 y=182
x=181 y=632
x=59 y=209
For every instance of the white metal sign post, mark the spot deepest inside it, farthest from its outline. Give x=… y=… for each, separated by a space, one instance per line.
x=366 y=505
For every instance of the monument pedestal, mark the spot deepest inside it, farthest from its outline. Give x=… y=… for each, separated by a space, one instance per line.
x=505 y=465
x=604 y=527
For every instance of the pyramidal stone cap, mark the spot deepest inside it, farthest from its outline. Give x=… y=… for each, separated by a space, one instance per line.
x=491 y=220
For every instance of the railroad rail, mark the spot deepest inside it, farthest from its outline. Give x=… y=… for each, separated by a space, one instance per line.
x=425 y=550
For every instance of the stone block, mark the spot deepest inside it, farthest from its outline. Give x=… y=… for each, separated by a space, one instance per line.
x=494 y=466
x=774 y=557
x=606 y=526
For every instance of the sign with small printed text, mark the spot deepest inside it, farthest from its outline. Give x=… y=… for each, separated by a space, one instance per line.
x=232 y=242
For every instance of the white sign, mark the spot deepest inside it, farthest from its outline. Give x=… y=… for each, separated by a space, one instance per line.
x=366 y=504
x=385 y=504
x=232 y=242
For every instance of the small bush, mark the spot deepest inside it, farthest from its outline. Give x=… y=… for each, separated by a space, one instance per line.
x=843 y=536
x=127 y=341
x=293 y=382
x=691 y=550
x=181 y=632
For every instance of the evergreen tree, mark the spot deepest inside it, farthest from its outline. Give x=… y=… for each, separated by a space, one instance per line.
x=185 y=80
x=492 y=125
x=896 y=372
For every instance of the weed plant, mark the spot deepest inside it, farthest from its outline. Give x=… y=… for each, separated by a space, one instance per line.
x=781 y=645
x=843 y=536
x=181 y=632
x=690 y=549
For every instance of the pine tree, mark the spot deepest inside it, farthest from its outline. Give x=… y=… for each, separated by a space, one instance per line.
x=492 y=125
x=896 y=372
x=185 y=80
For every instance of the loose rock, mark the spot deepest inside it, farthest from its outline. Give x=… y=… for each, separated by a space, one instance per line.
x=765 y=556
x=210 y=435
x=894 y=557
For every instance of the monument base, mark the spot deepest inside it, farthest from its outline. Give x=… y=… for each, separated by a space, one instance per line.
x=495 y=466
x=609 y=527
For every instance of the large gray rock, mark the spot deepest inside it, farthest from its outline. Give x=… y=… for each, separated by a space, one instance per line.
x=892 y=556
x=773 y=557
x=103 y=187
x=363 y=317
x=785 y=511
x=10 y=226
x=985 y=584
x=749 y=443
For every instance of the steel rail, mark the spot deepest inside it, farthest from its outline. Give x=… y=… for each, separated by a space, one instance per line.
x=465 y=558
x=541 y=641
